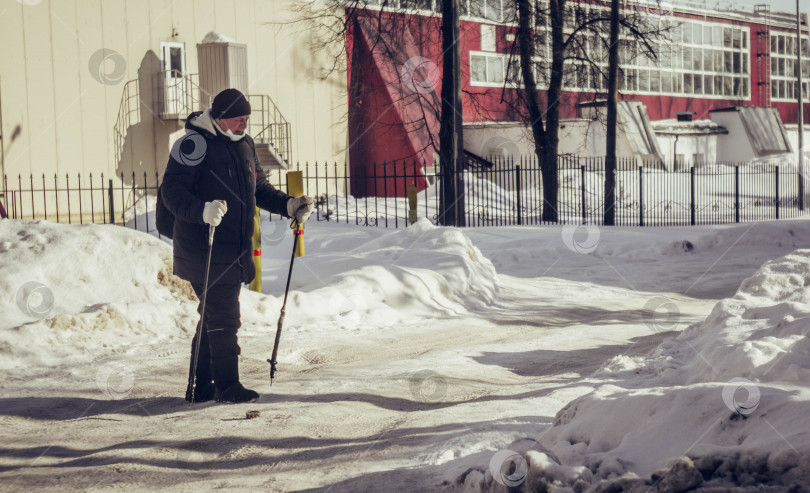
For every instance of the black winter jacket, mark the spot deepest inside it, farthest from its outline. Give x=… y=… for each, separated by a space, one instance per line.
x=229 y=171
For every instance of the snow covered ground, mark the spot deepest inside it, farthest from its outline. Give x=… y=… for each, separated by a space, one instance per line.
x=423 y=359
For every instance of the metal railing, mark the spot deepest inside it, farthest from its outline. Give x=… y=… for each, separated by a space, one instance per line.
x=508 y=193
x=178 y=93
x=268 y=126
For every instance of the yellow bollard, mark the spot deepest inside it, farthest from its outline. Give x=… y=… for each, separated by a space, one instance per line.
x=412 y=191
x=295 y=188
x=256 y=284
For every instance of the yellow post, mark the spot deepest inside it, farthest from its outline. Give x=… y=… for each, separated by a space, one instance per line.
x=412 y=204
x=256 y=284
x=295 y=188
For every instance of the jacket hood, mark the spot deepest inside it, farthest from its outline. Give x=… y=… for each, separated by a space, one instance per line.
x=202 y=122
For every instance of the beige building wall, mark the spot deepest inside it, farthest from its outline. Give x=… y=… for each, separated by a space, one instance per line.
x=60 y=96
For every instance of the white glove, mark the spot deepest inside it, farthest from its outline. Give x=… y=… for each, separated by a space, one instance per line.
x=213 y=212
x=299 y=208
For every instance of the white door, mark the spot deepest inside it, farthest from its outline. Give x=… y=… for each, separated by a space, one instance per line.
x=173 y=55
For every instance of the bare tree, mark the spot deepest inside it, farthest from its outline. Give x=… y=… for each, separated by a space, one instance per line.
x=578 y=37
x=412 y=47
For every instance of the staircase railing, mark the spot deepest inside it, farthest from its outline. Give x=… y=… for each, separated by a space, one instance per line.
x=128 y=115
x=268 y=126
x=180 y=96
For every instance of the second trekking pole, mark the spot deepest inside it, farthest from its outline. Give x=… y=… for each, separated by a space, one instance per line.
x=296 y=232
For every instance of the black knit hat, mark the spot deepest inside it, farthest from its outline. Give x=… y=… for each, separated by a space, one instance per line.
x=230 y=103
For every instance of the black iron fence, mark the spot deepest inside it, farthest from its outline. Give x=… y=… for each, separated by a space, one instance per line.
x=506 y=193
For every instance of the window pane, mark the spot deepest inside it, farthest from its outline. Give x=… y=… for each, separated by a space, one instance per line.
x=478 y=68
x=774 y=43
x=687 y=32
x=707 y=35
x=643 y=80
x=718 y=85
x=697 y=59
x=708 y=85
x=509 y=13
x=688 y=88
x=698 y=84
x=687 y=58
x=717 y=36
x=697 y=34
x=677 y=83
x=718 y=60
x=494 y=10
x=737 y=63
x=666 y=82
x=727 y=87
x=477 y=8
x=655 y=81
x=737 y=38
x=707 y=60
x=727 y=37
x=494 y=69
x=176 y=61
x=727 y=65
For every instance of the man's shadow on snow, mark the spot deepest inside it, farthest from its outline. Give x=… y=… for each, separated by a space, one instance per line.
x=78 y=408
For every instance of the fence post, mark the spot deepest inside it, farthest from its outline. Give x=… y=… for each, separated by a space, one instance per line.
x=519 y=201
x=692 y=205
x=641 y=195
x=582 y=193
x=112 y=207
x=776 y=168
x=737 y=193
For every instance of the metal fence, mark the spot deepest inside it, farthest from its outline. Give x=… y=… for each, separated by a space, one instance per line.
x=507 y=193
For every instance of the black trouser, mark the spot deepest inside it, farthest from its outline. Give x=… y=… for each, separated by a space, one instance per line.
x=219 y=351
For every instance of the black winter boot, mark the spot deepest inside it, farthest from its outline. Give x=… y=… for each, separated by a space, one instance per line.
x=237 y=393
x=225 y=366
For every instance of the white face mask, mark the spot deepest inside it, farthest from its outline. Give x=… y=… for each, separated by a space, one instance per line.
x=233 y=136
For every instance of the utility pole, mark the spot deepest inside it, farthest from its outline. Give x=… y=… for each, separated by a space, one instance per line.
x=451 y=139
x=612 y=117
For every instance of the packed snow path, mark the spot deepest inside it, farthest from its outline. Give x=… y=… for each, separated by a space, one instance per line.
x=405 y=359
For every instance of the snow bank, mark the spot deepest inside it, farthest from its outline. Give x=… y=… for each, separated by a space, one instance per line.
x=66 y=291
x=423 y=270
x=726 y=403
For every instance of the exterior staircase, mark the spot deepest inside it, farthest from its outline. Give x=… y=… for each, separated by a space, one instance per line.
x=268 y=127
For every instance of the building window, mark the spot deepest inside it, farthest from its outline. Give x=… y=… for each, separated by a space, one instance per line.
x=784 y=74
x=487 y=37
x=700 y=58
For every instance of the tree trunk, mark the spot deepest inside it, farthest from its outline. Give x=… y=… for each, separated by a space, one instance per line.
x=612 y=117
x=545 y=134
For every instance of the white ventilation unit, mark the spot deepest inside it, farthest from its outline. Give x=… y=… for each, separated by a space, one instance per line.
x=223 y=64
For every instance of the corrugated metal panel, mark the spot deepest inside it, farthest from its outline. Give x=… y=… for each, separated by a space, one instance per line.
x=221 y=65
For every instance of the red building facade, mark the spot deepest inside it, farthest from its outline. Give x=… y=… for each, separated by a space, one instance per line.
x=708 y=59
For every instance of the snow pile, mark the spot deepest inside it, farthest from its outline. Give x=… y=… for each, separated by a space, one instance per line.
x=69 y=290
x=216 y=37
x=423 y=270
x=724 y=404
x=66 y=290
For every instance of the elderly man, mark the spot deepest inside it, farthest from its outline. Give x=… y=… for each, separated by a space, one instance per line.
x=214 y=179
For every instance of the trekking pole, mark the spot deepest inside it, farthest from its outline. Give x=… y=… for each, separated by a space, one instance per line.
x=272 y=360
x=202 y=314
